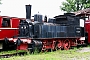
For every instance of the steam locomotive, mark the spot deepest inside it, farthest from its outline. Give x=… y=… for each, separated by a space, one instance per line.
x=60 y=32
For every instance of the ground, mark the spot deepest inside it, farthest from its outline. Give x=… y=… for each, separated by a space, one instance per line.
x=85 y=49
x=72 y=54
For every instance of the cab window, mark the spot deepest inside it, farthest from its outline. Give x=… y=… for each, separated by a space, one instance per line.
x=6 y=22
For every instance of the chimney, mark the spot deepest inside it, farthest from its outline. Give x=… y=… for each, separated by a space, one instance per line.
x=28 y=13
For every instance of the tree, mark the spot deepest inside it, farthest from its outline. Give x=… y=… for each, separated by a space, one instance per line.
x=75 y=5
x=0 y=2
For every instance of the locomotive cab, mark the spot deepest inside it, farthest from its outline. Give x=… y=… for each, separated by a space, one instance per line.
x=87 y=25
x=8 y=29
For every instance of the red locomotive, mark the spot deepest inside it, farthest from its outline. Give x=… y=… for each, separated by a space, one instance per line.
x=8 y=25
x=8 y=29
x=85 y=13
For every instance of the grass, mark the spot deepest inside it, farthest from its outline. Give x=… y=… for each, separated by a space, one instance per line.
x=10 y=52
x=56 y=55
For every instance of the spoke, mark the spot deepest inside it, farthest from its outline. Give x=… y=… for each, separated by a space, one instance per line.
x=66 y=44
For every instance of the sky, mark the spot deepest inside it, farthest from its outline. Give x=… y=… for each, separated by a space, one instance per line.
x=16 y=8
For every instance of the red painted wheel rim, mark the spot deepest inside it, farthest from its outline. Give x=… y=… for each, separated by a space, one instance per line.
x=59 y=45
x=66 y=44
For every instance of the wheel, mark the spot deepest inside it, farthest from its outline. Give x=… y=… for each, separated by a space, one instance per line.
x=18 y=42
x=6 y=41
x=66 y=44
x=59 y=45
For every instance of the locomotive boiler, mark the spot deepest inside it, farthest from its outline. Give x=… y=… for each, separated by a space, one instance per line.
x=60 y=32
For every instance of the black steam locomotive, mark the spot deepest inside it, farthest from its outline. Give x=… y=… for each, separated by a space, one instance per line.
x=60 y=32
x=62 y=26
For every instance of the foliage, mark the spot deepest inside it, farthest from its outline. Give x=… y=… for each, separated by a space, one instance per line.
x=75 y=5
x=0 y=2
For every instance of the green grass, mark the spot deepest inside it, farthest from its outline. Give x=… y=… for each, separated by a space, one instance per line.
x=56 y=55
x=10 y=52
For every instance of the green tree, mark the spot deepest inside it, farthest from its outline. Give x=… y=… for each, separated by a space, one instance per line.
x=0 y=2
x=75 y=5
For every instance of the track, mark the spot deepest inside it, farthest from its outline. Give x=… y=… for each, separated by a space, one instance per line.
x=14 y=54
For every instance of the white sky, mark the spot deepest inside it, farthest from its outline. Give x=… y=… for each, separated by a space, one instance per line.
x=16 y=8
